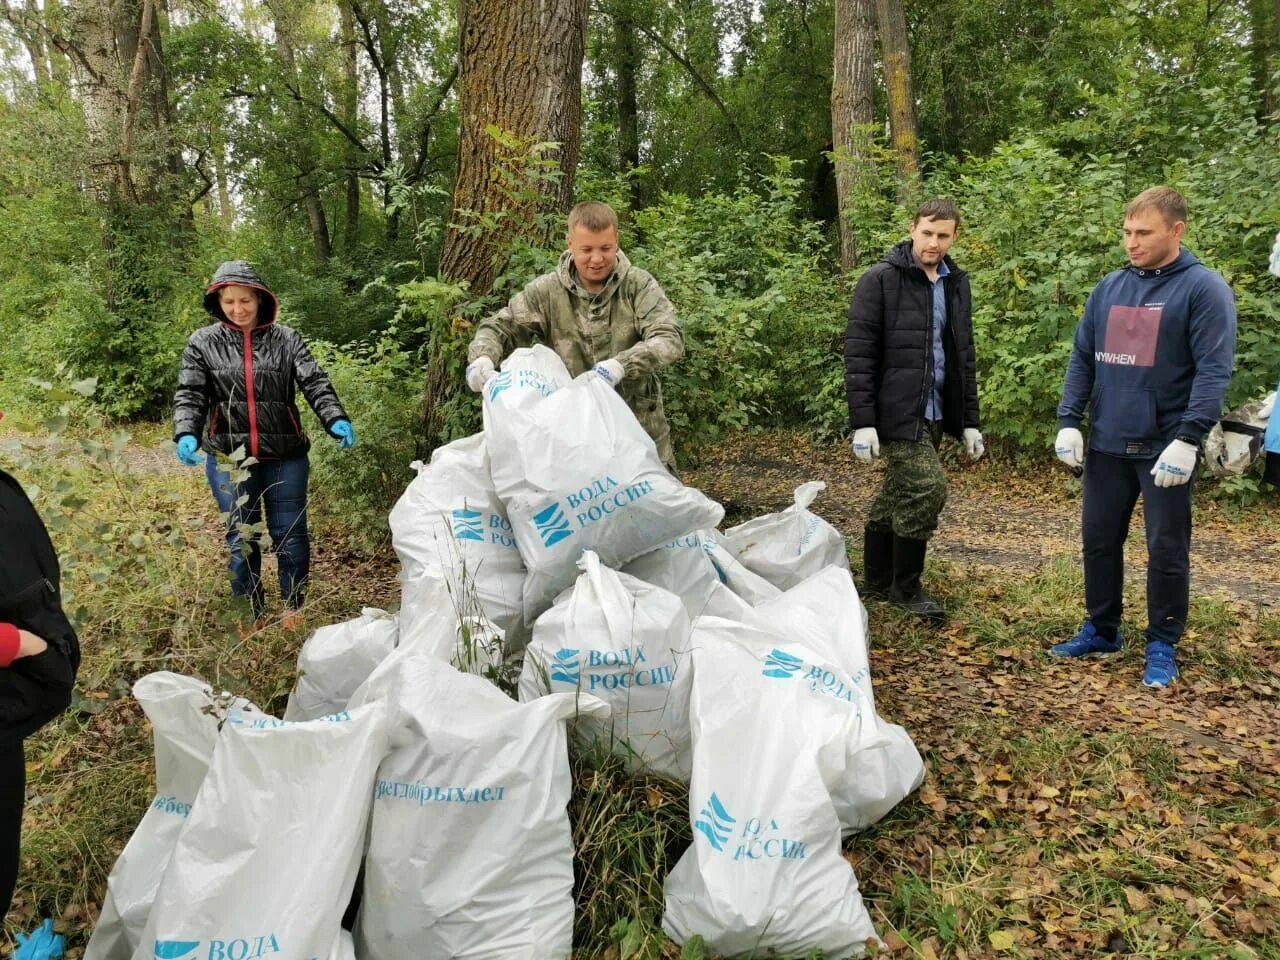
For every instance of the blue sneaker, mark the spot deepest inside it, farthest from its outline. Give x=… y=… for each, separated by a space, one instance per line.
x=1162 y=666
x=1087 y=643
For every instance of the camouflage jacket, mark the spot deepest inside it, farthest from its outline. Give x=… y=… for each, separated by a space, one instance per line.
x=630 y=320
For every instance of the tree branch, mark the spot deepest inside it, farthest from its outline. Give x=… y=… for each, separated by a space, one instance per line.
x=425 y=136
x=697 y=77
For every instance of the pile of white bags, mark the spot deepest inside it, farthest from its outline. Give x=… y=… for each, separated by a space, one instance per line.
x=449 y=528
x=622 y=640
x=336 y=659
x=788 y=546
x=266 y=862
x=576 y=471
x=682 y=567
x=765 y=871
x=184 y=715
x=470 y=852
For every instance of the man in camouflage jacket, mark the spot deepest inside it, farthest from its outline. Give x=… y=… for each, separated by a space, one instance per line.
x=598 y=312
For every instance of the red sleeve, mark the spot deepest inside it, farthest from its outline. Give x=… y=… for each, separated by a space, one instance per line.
x=9 y=643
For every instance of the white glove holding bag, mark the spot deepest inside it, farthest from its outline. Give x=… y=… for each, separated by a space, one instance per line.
x=866 y=444
x=479 y=372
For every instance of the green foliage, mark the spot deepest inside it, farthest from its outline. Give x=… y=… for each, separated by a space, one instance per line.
x=379 y=387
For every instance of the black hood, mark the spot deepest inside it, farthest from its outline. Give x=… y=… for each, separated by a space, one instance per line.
x=239 y=273
x=900 y=256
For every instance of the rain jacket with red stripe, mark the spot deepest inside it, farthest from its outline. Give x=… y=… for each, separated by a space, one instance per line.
x=237 y=387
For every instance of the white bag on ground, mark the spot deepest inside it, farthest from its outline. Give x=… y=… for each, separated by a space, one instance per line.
x=336 y=659
x=450 y=525
x=577 y=472
x=624 y=641
x=765 y=870
x=825 y=614
x=788 y=546
x=460 y=635
x=184 y=716
x=266 y=862
x=470 y=852
x=682 y=567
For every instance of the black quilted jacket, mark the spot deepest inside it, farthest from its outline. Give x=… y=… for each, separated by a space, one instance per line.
x=237 y=388
x=888 y=350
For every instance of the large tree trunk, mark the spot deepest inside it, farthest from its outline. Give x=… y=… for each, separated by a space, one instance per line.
x=896 y=53
x=852 y=110
x=627 y=65
x=520 y=70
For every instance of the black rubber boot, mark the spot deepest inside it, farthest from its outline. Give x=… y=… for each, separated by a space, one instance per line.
x=906 y=592
x=877 y=563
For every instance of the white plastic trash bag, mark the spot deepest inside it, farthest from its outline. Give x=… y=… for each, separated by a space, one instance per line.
x=266 y=863
x=751 y=587
x=449 y=525
x=470 y=850
x=336 y=659
x=682 y=567
x=577 y=472
x=623 y=640
x=454 y=629
x=184 y=715
x=765 y=872
x=788 y=546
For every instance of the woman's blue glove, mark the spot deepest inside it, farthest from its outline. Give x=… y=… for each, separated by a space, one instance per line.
x=345 y=432
x=188 y=447
x=43 y=944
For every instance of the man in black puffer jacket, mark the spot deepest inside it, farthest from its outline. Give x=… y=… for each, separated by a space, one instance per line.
x=39 y=655
x=909 y=377
x=236 y=391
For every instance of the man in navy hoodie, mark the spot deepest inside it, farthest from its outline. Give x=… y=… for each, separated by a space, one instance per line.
x=1152 y=361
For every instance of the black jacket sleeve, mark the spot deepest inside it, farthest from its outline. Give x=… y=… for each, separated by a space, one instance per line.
x=863 y=348
x=191 y=399
x=972 y=417
x=315 y=384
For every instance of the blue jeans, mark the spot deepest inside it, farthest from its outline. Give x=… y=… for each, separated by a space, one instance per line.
x=280 y=486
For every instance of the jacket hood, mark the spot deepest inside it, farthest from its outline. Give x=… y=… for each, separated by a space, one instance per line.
x=568 y=276
x=239 y=273
x=1186 y=260
x=900 y=256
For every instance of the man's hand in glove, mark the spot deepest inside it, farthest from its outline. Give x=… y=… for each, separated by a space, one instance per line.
x=1176 y=465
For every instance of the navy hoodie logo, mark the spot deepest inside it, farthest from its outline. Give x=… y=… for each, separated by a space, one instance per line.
x=1131 y=338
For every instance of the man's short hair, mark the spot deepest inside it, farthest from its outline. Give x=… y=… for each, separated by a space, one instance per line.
x=593 y=215
x=1169 y=202
x=939 y=208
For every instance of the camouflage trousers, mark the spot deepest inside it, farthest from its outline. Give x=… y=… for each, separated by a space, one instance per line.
x=914 y=489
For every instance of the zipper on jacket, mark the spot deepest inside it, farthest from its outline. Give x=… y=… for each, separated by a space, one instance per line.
x=248 y=393
x=30 y=590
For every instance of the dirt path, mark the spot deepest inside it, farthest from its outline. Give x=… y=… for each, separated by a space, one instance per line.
x=992 y=519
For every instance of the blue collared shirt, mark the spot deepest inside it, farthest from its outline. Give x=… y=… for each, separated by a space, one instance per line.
x=933 y=409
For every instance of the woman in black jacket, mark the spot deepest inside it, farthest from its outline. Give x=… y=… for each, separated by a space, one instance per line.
x=236 y=398
x=39 y=656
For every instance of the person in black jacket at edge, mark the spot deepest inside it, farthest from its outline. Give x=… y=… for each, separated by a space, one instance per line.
x=39 y=656
x=236 y=390
x=909 y=374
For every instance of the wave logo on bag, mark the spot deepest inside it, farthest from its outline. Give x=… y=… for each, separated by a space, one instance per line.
x=552 y=524
x=502 y=381
x=236 y=948
x=564 y=668
x=468 y=525
x=715 y=823
x=782 y=665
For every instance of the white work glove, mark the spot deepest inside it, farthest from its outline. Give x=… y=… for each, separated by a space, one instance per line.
x=1070 y=448
x=479 y=372
x=973 y=444
x=610 y=371
x=1269 y=401
x=1176 y=464
x=1274 y=264
x=866 y=444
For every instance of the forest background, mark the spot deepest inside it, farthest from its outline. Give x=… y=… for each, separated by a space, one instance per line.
x=395 y=169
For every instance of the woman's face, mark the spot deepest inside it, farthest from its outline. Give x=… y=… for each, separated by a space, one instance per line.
x=239 y=305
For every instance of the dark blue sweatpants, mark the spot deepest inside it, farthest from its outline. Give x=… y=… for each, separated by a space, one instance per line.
x=1111 y=489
